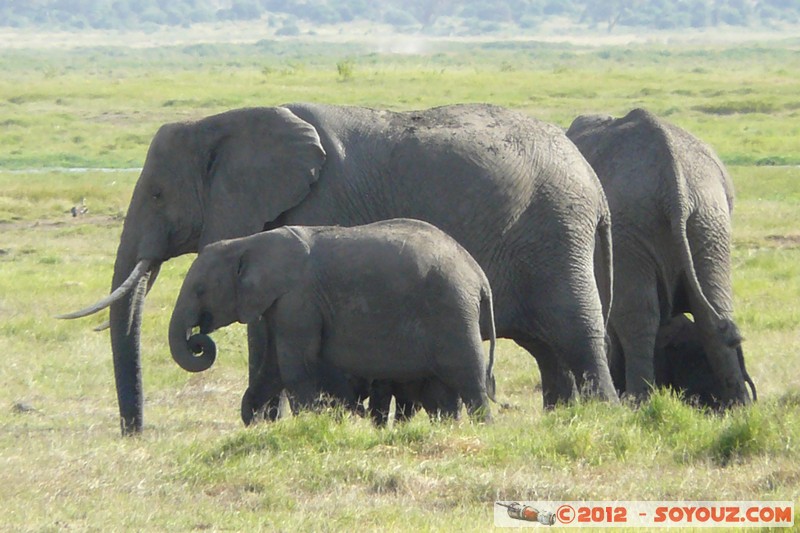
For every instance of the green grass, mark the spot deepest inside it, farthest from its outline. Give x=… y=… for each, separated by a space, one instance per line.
x=64 y=465
x=100 y=106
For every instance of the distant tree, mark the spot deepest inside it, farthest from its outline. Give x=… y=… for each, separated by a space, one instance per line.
x=788 y=5
x=734 y=12
x=778 y=10
x=399 y=17
x=477 y=15
x=240 y=10
x=609 y=12
x=427 y=11
x=489 y=11
x=699 y=14
x=322 y=14
x=556 y=7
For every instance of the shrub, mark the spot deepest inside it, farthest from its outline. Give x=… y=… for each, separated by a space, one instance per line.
x=345 y=69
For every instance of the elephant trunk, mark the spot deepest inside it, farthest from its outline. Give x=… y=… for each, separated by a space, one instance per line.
x=193 y=353
x=125 y=320
x=137 y=265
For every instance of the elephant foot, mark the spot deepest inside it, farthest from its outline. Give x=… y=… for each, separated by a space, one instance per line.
x=255 y=410
x=248 y=408
x=481 y=414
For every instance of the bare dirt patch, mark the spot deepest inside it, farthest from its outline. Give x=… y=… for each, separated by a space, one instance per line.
x=58 y=223
x=784 y=241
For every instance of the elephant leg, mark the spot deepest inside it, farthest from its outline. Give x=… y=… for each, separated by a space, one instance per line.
x=461 y=366
x=262 y=399
x=635 y=319
x=616 y=361
x=406 y=400
x=298 y=362
x=559 y=319
x=380 y=400
x=253 y=403
x=360 y=388
x=259 y=354
x=477 y=402
x=439 y=400
x=338 y=385
x=558 y=383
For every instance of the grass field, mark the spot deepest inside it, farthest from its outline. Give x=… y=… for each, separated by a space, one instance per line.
x=63 y=465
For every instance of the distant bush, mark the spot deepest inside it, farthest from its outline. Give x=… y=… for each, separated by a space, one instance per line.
x=346 y=69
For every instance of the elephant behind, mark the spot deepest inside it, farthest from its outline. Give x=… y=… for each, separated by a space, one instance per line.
x=512 y=190
x=671 y=201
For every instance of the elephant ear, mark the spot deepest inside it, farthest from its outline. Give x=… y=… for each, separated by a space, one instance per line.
x=257 y=164
x=252 y=297
x=274 y=264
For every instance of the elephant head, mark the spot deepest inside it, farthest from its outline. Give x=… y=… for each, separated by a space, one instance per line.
x=233 y=281
x=681 y=362
x=220 y=177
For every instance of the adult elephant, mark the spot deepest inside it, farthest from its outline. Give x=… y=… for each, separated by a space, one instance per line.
x=514 y=191
x=671 y=201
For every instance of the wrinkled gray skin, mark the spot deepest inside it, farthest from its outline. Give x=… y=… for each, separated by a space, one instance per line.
x=394 y=300
x=671 y=201
x=681 y=364
x=511 y=189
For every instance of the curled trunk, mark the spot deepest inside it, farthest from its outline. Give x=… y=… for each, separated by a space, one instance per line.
x=193 y=353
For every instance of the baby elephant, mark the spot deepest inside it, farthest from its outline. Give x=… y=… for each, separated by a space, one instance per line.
x=395 y=300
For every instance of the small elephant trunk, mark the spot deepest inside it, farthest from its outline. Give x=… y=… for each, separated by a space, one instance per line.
x=193 y=353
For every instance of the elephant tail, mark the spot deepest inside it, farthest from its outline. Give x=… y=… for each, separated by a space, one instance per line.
x=488 y=327
x=678 y=208
x=679 y=222
x=606 y=282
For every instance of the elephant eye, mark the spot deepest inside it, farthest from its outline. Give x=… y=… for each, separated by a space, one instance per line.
x=157 y=194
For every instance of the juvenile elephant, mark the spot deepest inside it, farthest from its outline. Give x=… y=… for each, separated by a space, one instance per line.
x=394 y=300
x=671 y=201
x=682 y=364
x=512 y=190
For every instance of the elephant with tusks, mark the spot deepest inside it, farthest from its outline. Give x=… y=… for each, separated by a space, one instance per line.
x=512 y=190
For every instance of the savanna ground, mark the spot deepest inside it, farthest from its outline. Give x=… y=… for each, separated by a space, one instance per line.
x=63 y=463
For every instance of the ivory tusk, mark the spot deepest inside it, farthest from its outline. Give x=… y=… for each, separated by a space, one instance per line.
x=140 y=270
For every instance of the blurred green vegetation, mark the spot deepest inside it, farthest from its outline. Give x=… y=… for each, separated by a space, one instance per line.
x=99 y=107
x=431 y=16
